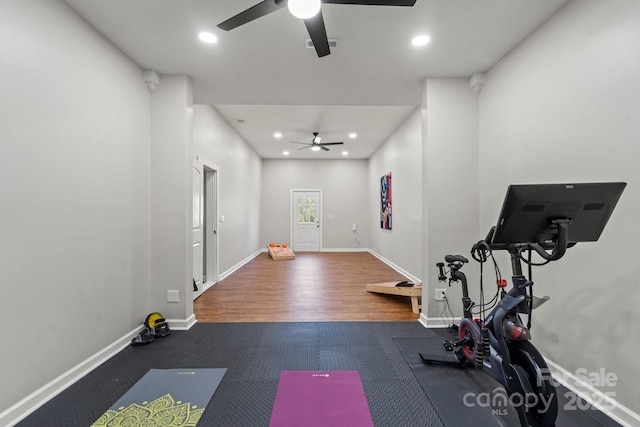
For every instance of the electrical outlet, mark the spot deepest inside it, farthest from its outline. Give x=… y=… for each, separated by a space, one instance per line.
x=173 y=296
x=441 y=294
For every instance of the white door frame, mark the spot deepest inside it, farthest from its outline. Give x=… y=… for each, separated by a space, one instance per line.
x=210 y=222
x=198 y=227
x=292 y=219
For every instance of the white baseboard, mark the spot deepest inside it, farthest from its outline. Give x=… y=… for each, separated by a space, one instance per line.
x=395 y=267
x=29 y=404
x=434 y=322
x=240 y=264
x=203 y=288
x=344 y=250
x=210 y=283
x=182 y=324
x=598 y=399
x=207 y=285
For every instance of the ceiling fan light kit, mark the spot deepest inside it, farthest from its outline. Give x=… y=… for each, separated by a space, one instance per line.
x=310 y=11
x=304 y=9
x=315 y=143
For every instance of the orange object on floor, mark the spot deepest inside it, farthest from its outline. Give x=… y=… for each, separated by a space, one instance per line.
x=280 y=253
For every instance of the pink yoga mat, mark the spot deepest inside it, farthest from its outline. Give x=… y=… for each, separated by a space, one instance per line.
x=320 y=399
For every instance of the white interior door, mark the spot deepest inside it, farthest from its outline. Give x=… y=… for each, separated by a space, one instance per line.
x=306 y=220
x=197 y=227
x=210 y=212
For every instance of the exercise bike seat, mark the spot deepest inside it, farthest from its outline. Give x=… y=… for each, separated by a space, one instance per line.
x=455 y=258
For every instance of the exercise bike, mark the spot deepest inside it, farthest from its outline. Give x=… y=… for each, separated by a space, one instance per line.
x=500 y=343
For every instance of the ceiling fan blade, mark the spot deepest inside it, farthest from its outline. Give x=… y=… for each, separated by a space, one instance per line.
x=318 y=34
x=374 y=2
x=308 y=146
x=296 y=142
x=259 y=10
x=324 y=148
x=331 y=143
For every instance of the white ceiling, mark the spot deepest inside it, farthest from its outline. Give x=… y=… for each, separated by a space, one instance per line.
x=263 y=73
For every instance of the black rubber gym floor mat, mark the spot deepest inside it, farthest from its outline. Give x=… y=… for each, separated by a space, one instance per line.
x=254 y=354
x=463 y=396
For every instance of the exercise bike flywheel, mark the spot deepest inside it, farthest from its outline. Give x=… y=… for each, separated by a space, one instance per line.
x=469 y=331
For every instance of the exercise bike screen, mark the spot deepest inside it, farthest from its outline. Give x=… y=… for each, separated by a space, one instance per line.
x=528 y=210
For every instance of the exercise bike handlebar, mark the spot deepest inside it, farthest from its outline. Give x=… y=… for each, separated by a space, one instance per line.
x=441 y=276
x=558 y=246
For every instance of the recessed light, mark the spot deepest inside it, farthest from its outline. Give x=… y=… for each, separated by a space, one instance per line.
x=277 y=135
x=345 y=153
x=353 y=135
x=286 y=153
x=421 y=40
x=315 y=148
x=207 y=37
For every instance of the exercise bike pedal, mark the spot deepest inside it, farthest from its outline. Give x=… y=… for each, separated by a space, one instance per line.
x=444 y=359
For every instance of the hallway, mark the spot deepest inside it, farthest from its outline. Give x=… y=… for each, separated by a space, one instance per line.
x=315 y=287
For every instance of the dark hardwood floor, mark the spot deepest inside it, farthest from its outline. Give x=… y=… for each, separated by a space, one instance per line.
x=318 y=286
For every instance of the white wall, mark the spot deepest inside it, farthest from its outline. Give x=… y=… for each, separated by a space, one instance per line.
x=450 y=196
x=171 y=196
x=238 y=182
x=401 y=155
x=74 y=191
x=565 y=107
x=344 y=199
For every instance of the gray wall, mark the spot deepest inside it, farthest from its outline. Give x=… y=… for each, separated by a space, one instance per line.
x=171 y=196
x=238 y=183
x=76 y=125
x=74 y=191
x=400 y=155
x=344 y=199
x=96 y=194
x=450 y=196
x=565 y=107
x=433 y=157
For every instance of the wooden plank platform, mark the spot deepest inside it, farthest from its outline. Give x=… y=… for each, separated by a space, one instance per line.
x=279 y=253
x=390 y=288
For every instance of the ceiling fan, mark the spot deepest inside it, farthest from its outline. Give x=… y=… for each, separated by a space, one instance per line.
x=315 y=143
x=307 y=10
